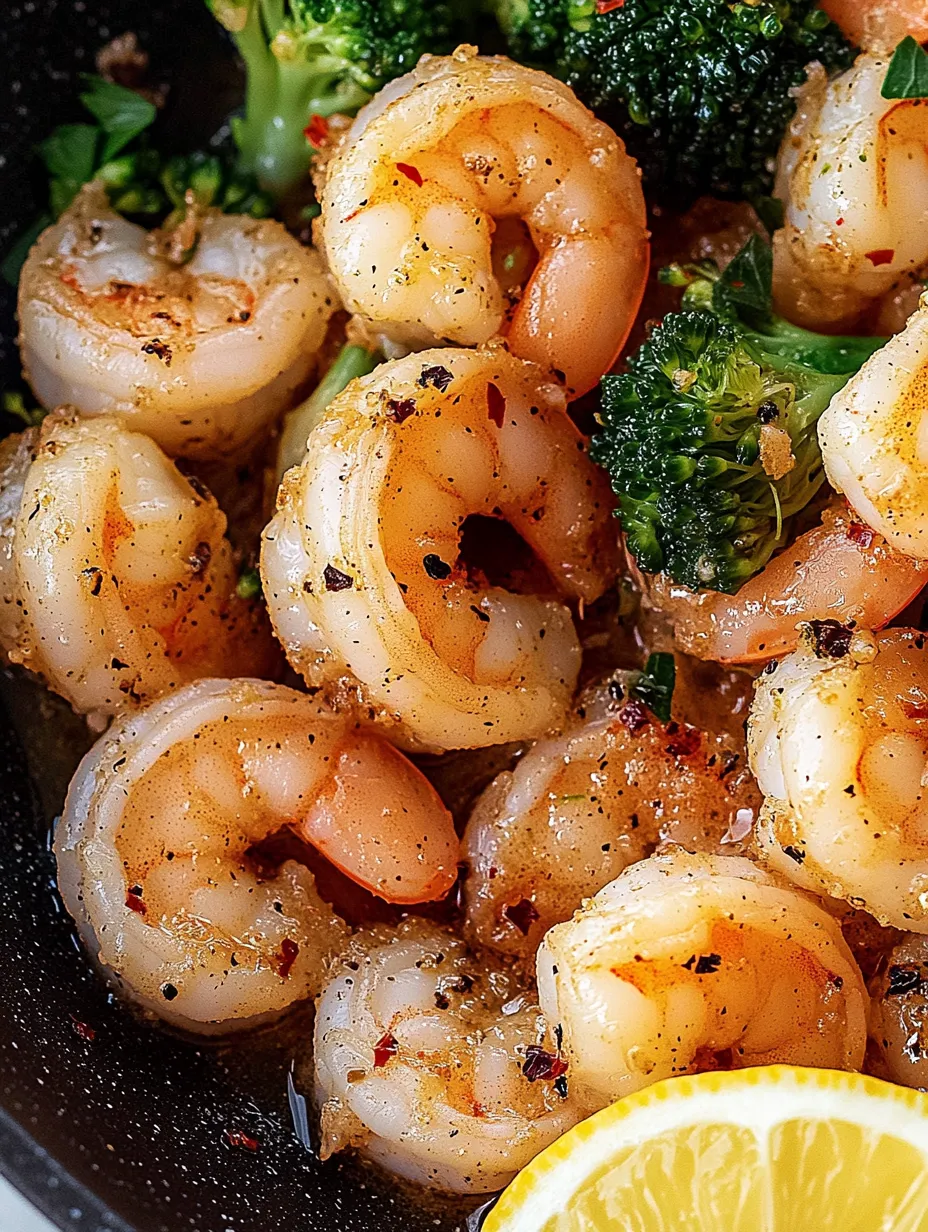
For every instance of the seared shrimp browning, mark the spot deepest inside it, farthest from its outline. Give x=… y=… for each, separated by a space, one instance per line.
x=431 y=1064
x=154 y=846
x=579 y=808
x=853 y=171
x=874 y=438
x=361 y=564
x=695 y=962
x=841 y=570
x=839 y=743
x=199 y=356
x=117 y=581
x=475 y=197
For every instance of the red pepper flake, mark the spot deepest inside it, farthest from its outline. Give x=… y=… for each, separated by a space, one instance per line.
x=385 y=1048
x=496 y=404
x=411 y=173
x=839 y=222
x=336 y=580
x=83 y=1029
x=912 y=710
x=542 y=1064
x=134 y=900
x=881 y=256
x=606 y=6
x=522 y=914
x=287 y=957
x=316 y=131
x=236 y=1137
x=861 y=535
x=399 y=411
x=684 y=742
x=634 y=716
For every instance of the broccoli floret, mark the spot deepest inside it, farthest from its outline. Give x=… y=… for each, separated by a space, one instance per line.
x=699 y=89
x=318 y=57
x=710 y=436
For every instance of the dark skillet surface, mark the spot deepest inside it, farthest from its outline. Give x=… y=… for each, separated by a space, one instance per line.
x=127 y=1131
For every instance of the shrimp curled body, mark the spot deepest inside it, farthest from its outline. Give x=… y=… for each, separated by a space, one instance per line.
x=434 y=171
x=694 y=962
x=361 y=564
x=839 y=747
x=874 y=438
x=154 y=846
x=117 y=583
x=421 y=1054
x=199 y=356
x=853 y=171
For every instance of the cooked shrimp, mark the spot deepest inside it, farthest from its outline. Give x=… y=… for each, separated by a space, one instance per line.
x=199 y=356
x=874 y=439
x=430 y=1063
x=853 y=171
x=696 y=962
x=841 y=570
x=118 y=583
x=361 y=563
x=475 y=196
x=838 y=741
x=578 y=808
x=153 y=846
x=879 y=25
x=899 y=1014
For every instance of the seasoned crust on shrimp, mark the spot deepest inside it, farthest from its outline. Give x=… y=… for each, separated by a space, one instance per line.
x=199 y=356
x=839 y=743
x=361 y=564
x=118 y=583
x=694 y=962
x=433 y=173
x=579 y=808
x=423 y=1060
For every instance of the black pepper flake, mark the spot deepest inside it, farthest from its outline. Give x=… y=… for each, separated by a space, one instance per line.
x=522 y=914
x=399 y=411
x=336 y=580
x=705 y=964
x=159 y=349
x=542 y=1064
x=168 y=991
x=768 y=411
x=794 y=853
x=435 y=567
x=903 y=980
x=560 y=1085
x=480 y=614
x=435 y=375
x=200 y=557
x=830 y=639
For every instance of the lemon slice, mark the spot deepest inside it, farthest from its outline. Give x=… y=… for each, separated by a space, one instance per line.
x=773 y=1149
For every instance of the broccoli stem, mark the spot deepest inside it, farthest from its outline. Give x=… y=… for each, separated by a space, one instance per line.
x=284 y=88
x=351 y=362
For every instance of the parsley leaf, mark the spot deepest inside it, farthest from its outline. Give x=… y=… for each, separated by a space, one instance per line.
x=121 y=113
x=745 y=289
x=907 y=75
x=655 y=685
